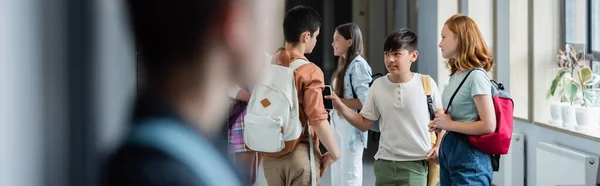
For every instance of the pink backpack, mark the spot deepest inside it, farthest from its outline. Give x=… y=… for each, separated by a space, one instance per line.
x=498 y=142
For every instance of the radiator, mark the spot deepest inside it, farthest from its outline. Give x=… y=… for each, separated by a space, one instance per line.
x=557 y=165
x=512 y=165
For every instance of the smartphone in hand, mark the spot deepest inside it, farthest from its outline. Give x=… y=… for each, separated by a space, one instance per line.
x=328 y=103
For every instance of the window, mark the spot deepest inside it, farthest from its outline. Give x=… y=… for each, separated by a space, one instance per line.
x=595 y=17
x=575 y=23
x=547 y=39
x=519 y=57
x=595 y=34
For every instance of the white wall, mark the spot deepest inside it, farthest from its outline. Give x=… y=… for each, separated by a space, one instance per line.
x=535 y=134
x=446 y=9
x=482 y=12
x=21 y=124
x=519 y=56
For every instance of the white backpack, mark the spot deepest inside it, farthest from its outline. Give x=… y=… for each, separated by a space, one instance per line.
x=272 y=115
x=272 y=123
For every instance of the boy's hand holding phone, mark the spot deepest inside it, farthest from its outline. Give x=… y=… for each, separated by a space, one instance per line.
x=326 y=102
x=337 y=102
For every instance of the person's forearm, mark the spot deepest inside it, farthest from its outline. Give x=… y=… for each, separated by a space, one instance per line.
x=355 y=119
x=325 y=134
x=470 y=128
x=352 y=103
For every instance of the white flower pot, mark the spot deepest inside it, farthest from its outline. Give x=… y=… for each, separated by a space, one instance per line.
x=556 y=113
x=568 y=116
x=587 y=117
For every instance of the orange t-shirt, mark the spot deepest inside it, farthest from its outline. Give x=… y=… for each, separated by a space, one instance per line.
x=310 y=84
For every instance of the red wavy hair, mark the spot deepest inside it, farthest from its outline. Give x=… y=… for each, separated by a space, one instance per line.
x=472 y=51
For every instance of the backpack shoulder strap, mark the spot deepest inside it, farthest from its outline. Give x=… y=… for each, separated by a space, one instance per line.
x=426 y=84
x=186 y=146
x=297 y=63
x=456 y=91
x=427 y=89
x=288 y=57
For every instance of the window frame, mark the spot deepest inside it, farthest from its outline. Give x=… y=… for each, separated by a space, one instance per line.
x=565 y=27
x=593 y=33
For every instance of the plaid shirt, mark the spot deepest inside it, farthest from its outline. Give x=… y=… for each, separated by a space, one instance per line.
x=236 y=134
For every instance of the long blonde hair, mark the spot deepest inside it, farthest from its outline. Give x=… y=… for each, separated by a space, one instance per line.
x=472 y=49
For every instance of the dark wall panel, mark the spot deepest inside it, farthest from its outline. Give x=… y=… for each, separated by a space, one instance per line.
x=317 y=54
x=334 y=13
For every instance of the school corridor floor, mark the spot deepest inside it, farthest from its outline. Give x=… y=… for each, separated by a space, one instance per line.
x=368 y=175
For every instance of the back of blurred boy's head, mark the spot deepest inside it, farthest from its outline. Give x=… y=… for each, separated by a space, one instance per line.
x=198 y=46
x=170 y=33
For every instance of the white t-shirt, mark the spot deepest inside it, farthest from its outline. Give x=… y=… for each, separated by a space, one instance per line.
x=403 y=117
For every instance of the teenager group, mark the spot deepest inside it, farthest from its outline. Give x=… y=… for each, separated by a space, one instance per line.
x=192 y=51
x=418 y=133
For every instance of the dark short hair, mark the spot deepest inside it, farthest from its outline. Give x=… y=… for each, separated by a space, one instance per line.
x=401 y=39
x=170 y=33
x=298 y=20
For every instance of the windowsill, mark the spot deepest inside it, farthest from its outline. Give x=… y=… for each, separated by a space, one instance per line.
x=522 y=119
x=587 y=134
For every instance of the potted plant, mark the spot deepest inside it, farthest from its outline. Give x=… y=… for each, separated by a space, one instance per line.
x=580 y=89
x=587 y=84
x=562 y=112
x=594 y=59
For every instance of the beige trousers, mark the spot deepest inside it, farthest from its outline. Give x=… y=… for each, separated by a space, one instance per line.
x=292 y=169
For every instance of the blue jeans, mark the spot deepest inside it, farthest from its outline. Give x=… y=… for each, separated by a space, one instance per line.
x=463 y=164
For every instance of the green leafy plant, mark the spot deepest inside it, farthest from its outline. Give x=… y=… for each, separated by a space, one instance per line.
x=586 y=86
x=558 y=87
x=567 y=62
x=584 y=90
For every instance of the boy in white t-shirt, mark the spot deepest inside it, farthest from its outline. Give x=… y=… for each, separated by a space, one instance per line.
x=398 y=100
